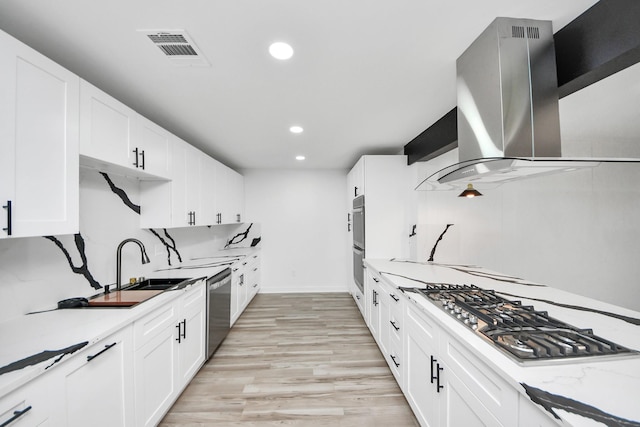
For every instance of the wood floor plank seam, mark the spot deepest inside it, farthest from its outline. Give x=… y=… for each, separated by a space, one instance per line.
x=295 y=360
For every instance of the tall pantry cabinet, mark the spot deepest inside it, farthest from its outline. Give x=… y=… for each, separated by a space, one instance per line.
x=383 y=180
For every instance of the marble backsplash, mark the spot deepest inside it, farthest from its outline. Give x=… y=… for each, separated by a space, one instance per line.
x=37 y=272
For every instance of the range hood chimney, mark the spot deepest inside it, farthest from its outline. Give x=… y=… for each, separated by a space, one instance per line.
x=508 y=116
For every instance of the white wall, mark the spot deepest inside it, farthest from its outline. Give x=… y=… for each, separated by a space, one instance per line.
x=304 y=229
x=577 y=231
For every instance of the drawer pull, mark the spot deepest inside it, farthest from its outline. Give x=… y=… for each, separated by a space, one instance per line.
x=394 y=297
x=375 y=279
x=394 y=360
x=394 y=325
x=16 y=415
x=106 y=347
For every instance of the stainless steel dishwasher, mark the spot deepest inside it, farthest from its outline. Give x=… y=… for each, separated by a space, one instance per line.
x=218 y=309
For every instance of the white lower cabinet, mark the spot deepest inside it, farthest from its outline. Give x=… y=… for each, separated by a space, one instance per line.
x=155 y=364
x=36 y=403
x=530 y=415
x=372 y=297
x=447 y=385
x=421 y=346
x=97 y=384
x=245 y=284
x=192 y=339
x=169 y=351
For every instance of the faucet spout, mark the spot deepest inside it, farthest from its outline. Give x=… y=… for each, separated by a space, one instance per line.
x=143 y=252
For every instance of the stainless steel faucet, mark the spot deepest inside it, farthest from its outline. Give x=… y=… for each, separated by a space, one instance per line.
x=145 y=258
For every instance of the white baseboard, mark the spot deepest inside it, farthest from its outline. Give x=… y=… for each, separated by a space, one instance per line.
x=305 y=290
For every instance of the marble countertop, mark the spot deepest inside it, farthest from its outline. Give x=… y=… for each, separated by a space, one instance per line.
x=599 y=387
x=62 y=332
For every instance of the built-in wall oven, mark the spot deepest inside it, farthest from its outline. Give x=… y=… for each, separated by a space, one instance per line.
x=358 y=241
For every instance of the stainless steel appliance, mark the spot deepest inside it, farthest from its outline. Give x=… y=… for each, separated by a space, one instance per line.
x=508 y=118
x=358 y=241
x=218 y=309
x=520 y=331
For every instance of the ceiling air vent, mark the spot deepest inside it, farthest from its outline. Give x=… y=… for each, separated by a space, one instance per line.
x=177 y=46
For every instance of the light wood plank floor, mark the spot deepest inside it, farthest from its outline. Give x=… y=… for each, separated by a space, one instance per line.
x=298 y=360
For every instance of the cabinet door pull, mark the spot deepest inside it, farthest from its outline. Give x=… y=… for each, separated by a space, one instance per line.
x=394 y=326
x=433 y=360
x=8 y=227
x=106 y=347
x=394 y=297
x=375 y=298
x=357 y=296
x=394 y=360
x=255 y=286
x=355 y=191
x=184 y=329
x=142 y=155
x=179 y=339
x=136 y=153
x=438 y=386
x=16 y=415
x=194 y=218
x=237 y=217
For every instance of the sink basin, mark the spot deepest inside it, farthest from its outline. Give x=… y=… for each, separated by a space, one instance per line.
x=155 y=284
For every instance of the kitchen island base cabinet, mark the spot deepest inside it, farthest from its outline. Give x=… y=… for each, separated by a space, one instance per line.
x=98 y=388
x=420 y=390
x=446 y=385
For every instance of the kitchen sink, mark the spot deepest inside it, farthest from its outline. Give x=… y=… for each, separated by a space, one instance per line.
x=155 y=284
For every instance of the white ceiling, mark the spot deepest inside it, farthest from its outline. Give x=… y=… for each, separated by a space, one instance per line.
x=367 y=76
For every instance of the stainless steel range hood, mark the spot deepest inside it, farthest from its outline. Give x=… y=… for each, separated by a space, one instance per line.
x=508 y=117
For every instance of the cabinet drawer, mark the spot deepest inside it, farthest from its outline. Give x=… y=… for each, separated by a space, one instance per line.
x=33 y=404
x=395 y=362
x=396 y=325
x=154 y=323
x=498 y=396
x=194 y=296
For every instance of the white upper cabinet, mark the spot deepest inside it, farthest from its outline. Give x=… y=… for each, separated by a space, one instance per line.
x=356 y=178
x=229 y=188
x=114 y=138
x=153 y=145
x=209 y=196
x=106 y=126
x=38 y=143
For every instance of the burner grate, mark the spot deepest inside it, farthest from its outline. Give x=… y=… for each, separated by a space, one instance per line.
x=519 y=330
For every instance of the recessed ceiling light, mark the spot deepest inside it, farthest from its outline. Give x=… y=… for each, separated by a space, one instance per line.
x=300 y=157
x=280 y=50
x=296 y=129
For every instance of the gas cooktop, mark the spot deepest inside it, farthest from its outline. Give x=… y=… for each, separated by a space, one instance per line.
x=520 y=331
